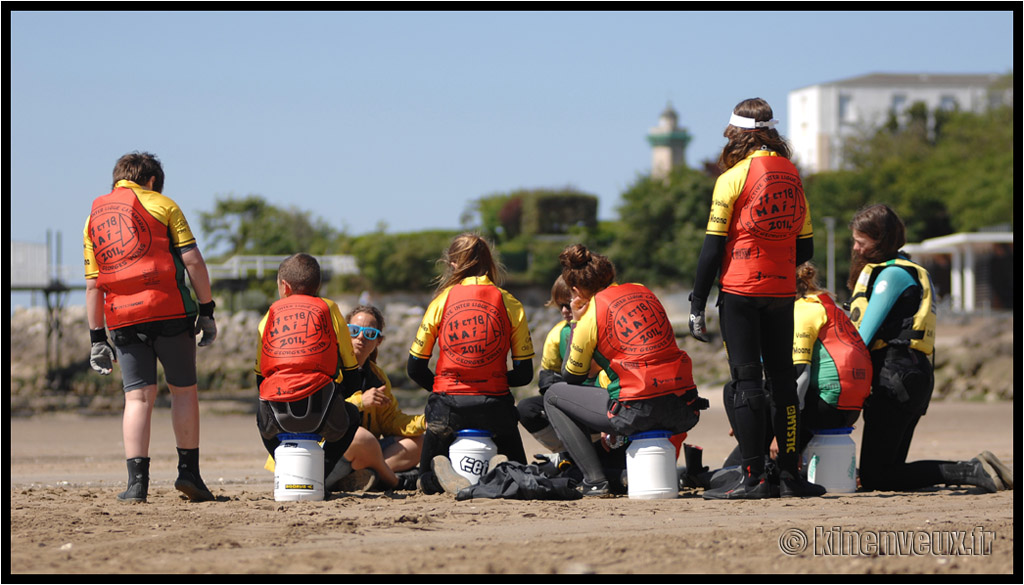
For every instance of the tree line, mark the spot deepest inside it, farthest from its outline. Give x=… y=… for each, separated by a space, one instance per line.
x=942 y=171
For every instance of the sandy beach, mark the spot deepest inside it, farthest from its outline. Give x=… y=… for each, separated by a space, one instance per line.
x=66 y=469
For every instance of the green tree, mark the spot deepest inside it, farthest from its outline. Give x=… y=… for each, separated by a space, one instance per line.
x=251 y=225
x=661 y=227
x=400 y=262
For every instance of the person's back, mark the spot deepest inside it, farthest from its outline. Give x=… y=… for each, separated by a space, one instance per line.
x=137 y=248
x=298 y=347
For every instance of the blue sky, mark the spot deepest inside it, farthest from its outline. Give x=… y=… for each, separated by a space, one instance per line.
x=406 y=117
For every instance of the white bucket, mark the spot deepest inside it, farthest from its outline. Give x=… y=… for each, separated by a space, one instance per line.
x=298 y=468
x=651 y=466
x=831 y=460
x=471 y=454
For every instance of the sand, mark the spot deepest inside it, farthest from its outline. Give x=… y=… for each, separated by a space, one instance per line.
x=66 y=469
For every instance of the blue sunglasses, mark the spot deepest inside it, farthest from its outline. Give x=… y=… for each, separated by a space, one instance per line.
x=369 y=333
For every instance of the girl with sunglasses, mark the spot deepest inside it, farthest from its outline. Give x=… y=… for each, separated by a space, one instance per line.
x=400 y=435
x=476 y=325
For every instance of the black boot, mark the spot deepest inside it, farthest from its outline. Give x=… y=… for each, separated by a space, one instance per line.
x=189 y=481
x=746 y=487
x=793 y=485
x=689 y=475
x=974 y=472
x=1004 y=473
x=138 y=480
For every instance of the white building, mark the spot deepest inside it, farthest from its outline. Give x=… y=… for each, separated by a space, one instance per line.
x=822 y=116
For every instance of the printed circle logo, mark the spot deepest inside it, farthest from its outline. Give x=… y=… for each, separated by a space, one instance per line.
x=776 y=208
x=120 y=236
x=298 y=330
x=638 y=324
x=793 y=541
x=473 y=334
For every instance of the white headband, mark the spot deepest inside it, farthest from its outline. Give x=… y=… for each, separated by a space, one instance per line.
x=741 y=122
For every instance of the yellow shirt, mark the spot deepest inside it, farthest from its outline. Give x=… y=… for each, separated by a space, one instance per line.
x=426 y=336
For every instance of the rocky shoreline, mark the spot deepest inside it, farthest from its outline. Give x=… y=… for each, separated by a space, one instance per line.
x=974 y=358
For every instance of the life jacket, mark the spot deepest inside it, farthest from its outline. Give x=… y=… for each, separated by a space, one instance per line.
x=474 y=336
x=760 y=251
x=918 y=330
x=298 y=350
x=636 y=338
x=850 y=356
x=141 y=272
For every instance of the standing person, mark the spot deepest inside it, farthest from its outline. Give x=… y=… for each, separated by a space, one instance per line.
x=138 y=248
x=623 y=329
x=759 y=229
x=832 y=365
x=476 y=325
x=303 y=361
x=400 y=435
x=893 y=307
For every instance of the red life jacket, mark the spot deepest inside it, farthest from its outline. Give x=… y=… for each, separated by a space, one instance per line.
x=141 y=273
x=760 y=252
x=299 y=349
x=852 y=359
x=635 y=336
x=474 y=336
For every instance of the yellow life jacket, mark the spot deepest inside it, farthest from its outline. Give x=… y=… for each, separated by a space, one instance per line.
x=920 y=330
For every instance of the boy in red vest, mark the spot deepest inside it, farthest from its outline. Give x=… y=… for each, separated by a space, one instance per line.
x=305 y=357
x=138 y=248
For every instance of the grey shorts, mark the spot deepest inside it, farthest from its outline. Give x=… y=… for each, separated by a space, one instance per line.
x=137 y=357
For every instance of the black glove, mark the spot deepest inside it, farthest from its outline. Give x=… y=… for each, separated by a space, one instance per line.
x=101 y=356
x=206 y=324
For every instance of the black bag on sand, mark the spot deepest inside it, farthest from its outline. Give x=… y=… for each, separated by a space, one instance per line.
x=515 y=481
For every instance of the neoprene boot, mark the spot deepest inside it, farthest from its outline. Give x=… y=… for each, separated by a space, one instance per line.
x=746 y=487
x=189 y=481
x=138 y=480
x=975 y=472
x=1004 y=473
x=688 y=476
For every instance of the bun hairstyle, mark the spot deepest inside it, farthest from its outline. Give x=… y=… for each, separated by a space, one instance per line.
x=586 y=270
x=807 y=279
x=743 y=141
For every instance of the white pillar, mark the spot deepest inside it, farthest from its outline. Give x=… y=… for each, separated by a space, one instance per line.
x=968 y=285
x=956 y=280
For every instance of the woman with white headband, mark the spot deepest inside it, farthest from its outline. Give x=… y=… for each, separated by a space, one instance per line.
x=758 y=231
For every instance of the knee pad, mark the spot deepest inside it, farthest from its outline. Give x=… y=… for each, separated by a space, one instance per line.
x=746 y=372
x=754 y=398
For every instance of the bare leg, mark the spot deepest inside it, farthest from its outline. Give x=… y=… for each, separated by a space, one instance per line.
x=404 y=453
x=365 y=452
x=137 y=422
x=185 y=416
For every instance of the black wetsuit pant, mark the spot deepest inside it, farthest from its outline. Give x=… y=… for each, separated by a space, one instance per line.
x=758 y=335
x=891 y=414
x=816 y=414
x=447 y=414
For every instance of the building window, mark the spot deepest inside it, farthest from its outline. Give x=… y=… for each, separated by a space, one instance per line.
x=947 y=103
x=845 y=109
x=899 y=103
